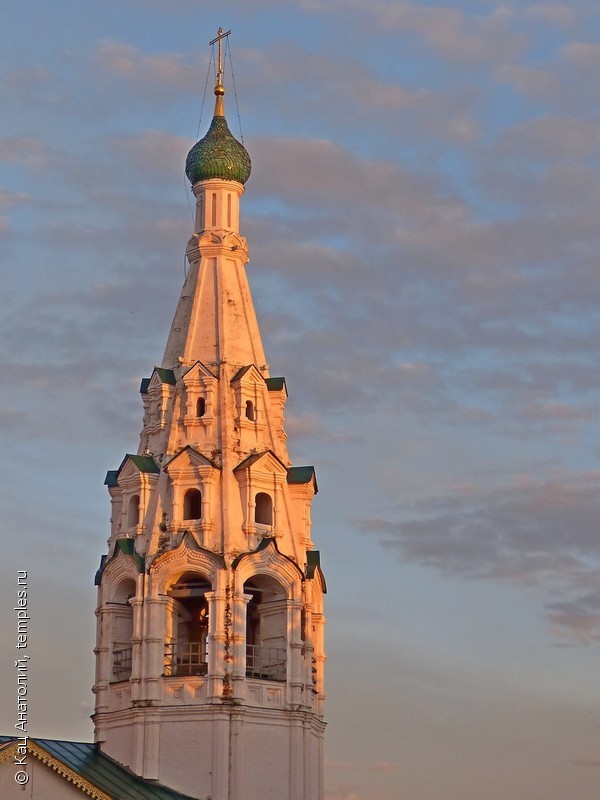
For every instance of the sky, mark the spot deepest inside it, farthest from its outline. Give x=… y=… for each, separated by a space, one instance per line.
x=422 y=219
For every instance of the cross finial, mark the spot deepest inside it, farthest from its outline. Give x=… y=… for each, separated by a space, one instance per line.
x=221 y=34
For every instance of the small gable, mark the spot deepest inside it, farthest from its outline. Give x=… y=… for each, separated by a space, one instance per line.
x=302 y=475
x=159 y=376
x=124 y=547
x=133 y=464
x=276 y=385
x=130 y=466
x=262 y=462
x=188 y=457
x=198 y=370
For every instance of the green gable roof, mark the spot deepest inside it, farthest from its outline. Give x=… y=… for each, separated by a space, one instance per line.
x=302 y=475
x=165 y=375
x=111 y=478
x=143 y=463
x=276 y=384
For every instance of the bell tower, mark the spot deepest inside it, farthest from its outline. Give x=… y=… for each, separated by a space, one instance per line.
x=209 y=650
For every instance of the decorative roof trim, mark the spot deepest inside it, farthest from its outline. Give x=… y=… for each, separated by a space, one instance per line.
x=188 y=448
x=188 y=542
x=265 y=543
x=123 y=546
x=244 y=370
x=254 y=457
x=207 y=372
x=66 y=772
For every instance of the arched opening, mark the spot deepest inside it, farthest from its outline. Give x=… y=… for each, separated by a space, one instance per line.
x=250 y=413
x=266 y=629
x=122 y=630
x=187 y=626
x=263 y=509
x=192 y=504
x=200 y=407
x=133 y=511
x=214 y=210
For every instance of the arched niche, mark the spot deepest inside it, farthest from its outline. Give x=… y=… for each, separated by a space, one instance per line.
x=186 y=625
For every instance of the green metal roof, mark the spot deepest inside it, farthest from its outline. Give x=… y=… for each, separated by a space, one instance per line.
x=166 y=375
x=102 y=772
x=302 y=475
x=125 y=546
x=218 y=155
x=143 y=463
x=276 y=384
x=111 y=477
x=313 y=562
x=100 y=570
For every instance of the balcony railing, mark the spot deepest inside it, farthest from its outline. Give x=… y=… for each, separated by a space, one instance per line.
x=187 y=658
x=121 y=666
x=268 y=663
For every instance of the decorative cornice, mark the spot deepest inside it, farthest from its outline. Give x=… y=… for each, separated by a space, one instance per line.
x=7 y=753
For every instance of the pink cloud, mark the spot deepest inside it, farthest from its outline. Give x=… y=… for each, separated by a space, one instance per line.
x=559 y=14
x=166 y=71
x=455 y=34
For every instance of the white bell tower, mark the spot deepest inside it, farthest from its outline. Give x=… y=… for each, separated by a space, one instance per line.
x=209 y=652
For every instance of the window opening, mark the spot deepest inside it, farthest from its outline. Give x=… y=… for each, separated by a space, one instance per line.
x=266 y=641
x=250 y=410
x=200 y=407
x=133 y=512
x=122 y=631
x=263 y=509
x=186 y=646
x=192 y=504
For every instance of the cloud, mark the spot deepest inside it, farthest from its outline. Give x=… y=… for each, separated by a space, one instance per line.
x=585 y=55
x=578 y=619
x=559 y=14
x=553 y=138
x=538 y=532
x=165 y=74
x=28 y=151
x=348 y=87
x=589 y=761
x=453 y=33
x=153 y=154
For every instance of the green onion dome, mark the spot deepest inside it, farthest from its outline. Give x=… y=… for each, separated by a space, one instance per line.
x=218 y=155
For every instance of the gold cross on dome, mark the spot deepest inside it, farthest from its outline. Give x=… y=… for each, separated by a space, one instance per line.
x=221 y=34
